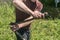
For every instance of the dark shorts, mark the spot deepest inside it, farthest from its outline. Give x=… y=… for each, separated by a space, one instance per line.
x=25 y=32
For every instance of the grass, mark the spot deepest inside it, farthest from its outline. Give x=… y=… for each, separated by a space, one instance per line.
x=41 y=29
x=45 y=30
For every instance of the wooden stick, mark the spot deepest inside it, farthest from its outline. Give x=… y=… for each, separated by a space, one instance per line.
x=29 y=18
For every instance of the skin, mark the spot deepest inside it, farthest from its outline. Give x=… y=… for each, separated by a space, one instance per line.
x=22 y=7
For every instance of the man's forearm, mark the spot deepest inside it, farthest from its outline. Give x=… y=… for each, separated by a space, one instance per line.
x=21 y=6
x=24 y=24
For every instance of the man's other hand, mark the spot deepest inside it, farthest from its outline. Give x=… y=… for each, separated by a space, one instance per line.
x=38 y=14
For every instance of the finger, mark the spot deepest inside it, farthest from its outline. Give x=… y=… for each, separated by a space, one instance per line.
x=40 y=16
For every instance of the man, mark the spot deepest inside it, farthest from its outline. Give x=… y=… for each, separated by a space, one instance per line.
x=26 y=11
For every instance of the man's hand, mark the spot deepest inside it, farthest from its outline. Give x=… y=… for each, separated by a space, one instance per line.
x=38 y=14
x=14 y=27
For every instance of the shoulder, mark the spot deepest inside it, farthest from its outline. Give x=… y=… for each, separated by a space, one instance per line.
x=39 y=3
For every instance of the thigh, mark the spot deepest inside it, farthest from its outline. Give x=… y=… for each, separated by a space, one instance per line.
x=18 y=37
x=26 y=35
x=25 y=32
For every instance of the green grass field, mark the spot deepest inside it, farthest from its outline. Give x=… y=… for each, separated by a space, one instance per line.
x=41 y=29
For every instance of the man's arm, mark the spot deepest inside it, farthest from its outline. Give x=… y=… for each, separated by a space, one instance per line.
x=39 y=6
x=21 y=6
